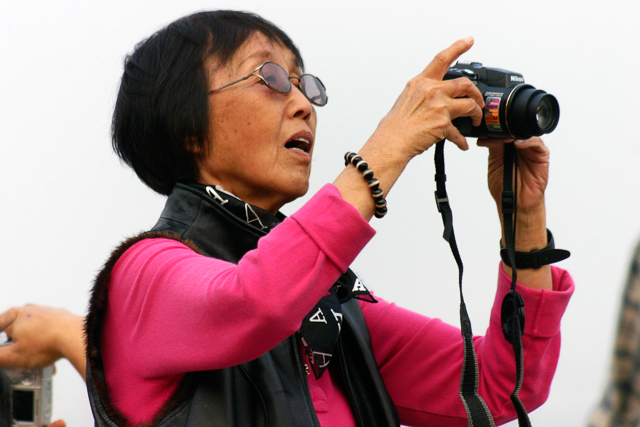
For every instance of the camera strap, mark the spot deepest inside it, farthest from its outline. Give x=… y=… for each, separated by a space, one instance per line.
x=478 y=413
x=512 y=312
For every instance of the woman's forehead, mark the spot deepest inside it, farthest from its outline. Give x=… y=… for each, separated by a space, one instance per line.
x=259 y=48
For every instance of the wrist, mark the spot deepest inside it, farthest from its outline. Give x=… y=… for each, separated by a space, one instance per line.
x=374 y=184
x=385 y=158
x=535 y=258
x=71 y=337
x=531 y=230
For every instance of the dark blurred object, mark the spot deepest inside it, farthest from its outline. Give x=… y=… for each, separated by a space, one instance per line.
x=620 y=404
x=5 y=400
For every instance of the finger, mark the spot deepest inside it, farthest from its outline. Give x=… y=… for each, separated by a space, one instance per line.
x=466 y=107
x=454 y=135
x=439 y=66
x=7 y=318
x=492 y=142
x=519 y=143
x=8 y=358
x=58 y=423
x=464 y=88
x=532 y=150
x=495 y=146
x=534 y=142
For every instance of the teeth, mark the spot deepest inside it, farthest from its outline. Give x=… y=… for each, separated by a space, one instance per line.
x=301 y=144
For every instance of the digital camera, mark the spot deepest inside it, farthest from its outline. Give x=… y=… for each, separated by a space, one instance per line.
x=512 y=109
x=31 y=394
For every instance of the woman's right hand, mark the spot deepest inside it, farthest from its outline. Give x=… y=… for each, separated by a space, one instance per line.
x=420 y=117
x=423 y=113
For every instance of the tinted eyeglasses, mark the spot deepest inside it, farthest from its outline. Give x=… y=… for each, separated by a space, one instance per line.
x=277 y=79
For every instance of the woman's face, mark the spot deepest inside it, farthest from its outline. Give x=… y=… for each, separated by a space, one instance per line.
x=253 y=129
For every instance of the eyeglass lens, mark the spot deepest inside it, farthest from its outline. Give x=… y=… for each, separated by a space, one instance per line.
x=277 y=79
x=313 y=89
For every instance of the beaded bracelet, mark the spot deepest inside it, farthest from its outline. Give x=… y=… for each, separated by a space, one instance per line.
x=378 y=195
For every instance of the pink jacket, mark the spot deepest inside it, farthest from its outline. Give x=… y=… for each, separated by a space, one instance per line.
x=172 y=311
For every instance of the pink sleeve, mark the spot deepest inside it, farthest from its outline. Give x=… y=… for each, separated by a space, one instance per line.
x=420 y=358
x=173 y=311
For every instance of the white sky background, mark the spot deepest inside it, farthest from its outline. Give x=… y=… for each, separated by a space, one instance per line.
x=66 y=201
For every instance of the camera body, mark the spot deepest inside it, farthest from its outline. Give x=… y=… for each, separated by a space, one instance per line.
x=512 y=109
x=31 y=395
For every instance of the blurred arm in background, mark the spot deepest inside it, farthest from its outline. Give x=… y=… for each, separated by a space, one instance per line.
x=41 y=335
x=620 y=404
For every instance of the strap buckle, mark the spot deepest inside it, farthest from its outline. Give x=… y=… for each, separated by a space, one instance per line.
x=512 y=310
x=508 y=202
x=440 y=200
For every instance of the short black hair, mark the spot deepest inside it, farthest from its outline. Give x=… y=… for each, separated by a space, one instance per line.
x=162 y=107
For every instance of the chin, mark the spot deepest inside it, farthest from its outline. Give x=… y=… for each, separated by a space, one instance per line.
x=301 y=192
x=296 y=193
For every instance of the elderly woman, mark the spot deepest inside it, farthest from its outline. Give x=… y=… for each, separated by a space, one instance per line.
x=227 y=313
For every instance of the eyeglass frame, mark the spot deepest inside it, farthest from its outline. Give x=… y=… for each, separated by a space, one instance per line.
x=253 y=73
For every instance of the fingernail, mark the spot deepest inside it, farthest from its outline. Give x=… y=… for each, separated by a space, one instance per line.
x=469 y=39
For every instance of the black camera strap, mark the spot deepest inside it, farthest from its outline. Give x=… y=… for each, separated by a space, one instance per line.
x=478 y=413
x=513 y=305
x=477 y=410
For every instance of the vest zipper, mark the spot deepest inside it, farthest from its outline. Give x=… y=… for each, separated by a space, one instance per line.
x=347 y=385
x=302 y=371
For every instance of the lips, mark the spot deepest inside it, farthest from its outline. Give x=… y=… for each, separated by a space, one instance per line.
x=301 y=141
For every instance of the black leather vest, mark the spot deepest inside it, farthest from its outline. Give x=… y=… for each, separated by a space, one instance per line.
x=271 y=390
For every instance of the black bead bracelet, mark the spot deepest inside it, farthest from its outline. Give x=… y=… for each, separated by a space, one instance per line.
x=376 y=192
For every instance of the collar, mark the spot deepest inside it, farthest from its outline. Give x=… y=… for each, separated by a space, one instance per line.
x=251 y=214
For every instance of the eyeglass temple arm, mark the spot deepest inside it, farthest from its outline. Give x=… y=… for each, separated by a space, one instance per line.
x=235 y=81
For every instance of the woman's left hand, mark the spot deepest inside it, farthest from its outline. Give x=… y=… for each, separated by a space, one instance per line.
x=533 y=174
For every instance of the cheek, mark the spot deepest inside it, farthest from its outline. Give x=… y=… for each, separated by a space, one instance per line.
x=247 y=119
x=229 y=128
x=313 y=122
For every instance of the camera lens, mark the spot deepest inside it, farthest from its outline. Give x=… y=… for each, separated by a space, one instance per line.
x=532 y=112
x=547 y=113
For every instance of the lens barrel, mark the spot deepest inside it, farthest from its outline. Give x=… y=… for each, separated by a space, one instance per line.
x=531 y=112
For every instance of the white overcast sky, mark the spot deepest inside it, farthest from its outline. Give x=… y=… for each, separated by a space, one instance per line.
x=66 y=201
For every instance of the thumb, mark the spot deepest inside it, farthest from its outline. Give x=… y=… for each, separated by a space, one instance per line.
x=8 y=357
x=6 y=320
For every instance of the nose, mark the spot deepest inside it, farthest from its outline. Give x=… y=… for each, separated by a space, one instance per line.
x=301 y=106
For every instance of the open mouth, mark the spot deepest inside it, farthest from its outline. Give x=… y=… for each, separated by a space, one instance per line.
x=300 y=144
